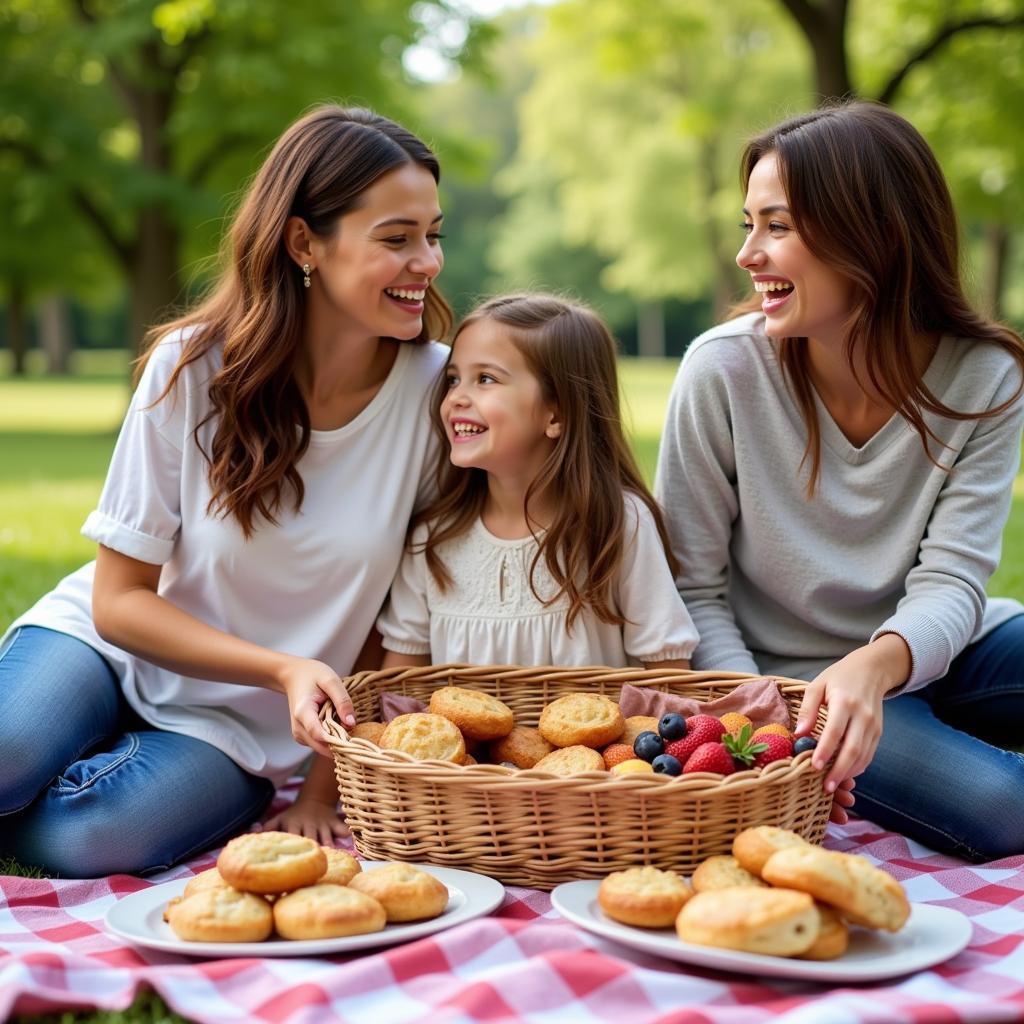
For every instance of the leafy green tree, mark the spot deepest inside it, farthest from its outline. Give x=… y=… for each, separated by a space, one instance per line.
x=145 y=114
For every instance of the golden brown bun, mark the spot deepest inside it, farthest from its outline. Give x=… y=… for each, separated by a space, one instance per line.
x=571 y=761
x=271 y=862
x=523 y=746
x=405 y=892
x=586 y=719
x=753 y=846
x=342 y=867
x=862 y=893
x=635 y=725
x=371 y=731
x=221 y=914
x=833 y=935
x=646 y=897
x=325 y=912
x=478 y=716
x=208 y=879
x=425 y=737
x=777 y=922
x=722 y=873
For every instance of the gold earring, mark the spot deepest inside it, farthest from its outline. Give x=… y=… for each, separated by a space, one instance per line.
x=305 y=270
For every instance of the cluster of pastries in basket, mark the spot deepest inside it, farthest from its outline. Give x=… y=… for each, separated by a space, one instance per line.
x=277 y=885
x=579 y=732
x=777 y=894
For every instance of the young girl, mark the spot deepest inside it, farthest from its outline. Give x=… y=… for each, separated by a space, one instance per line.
x=836 y=472
x=150 y=704
x=543 y=546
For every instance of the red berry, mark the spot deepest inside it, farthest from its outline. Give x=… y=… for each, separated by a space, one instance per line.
x=699 y=729
x=778 y=747
x=710 y=757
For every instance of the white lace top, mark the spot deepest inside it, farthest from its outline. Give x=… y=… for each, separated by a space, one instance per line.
x=490 y=615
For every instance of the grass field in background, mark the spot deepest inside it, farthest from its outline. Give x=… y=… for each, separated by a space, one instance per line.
x=56 y=436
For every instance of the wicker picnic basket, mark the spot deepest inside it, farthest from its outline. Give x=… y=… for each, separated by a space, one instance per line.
x=534 y=829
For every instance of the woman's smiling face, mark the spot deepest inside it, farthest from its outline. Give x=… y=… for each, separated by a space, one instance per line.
x=801 y=296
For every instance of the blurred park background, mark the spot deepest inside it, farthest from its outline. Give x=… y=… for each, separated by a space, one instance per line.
x=587 y=146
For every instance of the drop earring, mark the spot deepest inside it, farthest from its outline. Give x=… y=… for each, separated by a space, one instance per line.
x=305 y=270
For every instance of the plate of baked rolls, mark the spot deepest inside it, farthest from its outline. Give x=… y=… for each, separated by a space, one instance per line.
x=275 y=894
x=777 y=907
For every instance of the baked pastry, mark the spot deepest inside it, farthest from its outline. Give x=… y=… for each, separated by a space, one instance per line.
x=405 y=892
x=424 y=736
x=571 y=761
x=862 y=893
x=635 y=725
x=722 y=873
x=753 y=846
x=342 y=867
x=221 y=914
x=778 y=922
x=371 y=731
x=327 y=912
x=833 y=935
x=479 y=716
x=208 y=879
x=646 y=897
x=523 y=747
x=586 y=719
x=271 y=862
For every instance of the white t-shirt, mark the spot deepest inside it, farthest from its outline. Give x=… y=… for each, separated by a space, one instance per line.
x=311 y=586
x=489 y=615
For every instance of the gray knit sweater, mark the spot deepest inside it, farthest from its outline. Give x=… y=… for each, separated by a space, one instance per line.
x=780 y=583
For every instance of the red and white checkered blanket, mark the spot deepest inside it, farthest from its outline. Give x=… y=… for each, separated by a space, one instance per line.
x=522 y=963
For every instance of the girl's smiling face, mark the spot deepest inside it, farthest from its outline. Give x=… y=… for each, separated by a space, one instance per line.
x=801 y=296
x=494 y=413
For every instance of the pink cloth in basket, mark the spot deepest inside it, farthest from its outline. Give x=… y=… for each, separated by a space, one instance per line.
x=759 y=699
x=394 y=704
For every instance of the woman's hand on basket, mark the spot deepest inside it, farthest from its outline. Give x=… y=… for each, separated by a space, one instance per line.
x=308 y=685
x=852 y=689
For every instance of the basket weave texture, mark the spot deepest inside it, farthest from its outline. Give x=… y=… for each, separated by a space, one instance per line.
x=534 y=829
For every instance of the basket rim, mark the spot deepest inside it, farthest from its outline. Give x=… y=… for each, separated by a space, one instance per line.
x=367 y=755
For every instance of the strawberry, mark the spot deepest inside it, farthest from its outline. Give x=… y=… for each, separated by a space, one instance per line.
x=742 y=748
x=699 y=729
x=710 y=757
x=776 y=748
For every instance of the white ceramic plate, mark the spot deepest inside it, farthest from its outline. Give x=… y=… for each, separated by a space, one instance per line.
x=931 y=936
x=139 y=919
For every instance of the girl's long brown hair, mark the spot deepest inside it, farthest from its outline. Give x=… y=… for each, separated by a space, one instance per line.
x=868 y=198
x=573 y=356
x=318 y=170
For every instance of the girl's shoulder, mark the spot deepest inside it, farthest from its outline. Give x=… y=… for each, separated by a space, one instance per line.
x=165 y=357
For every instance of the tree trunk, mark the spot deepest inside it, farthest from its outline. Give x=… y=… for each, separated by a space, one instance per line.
x=55 y=333
x=153 y=275
x=823 y=24
x=997 y=242
x=17 y=328
x=650 y=330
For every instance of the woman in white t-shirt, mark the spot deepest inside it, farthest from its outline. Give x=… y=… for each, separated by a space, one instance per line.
x=251 y=522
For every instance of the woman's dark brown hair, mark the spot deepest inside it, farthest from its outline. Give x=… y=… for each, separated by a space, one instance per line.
x=868 y=198
x=318 y=170
x=573 y=356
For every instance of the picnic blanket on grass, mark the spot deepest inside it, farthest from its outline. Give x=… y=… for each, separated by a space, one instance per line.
x=522 y=963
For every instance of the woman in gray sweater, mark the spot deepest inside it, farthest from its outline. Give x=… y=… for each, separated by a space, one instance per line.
x=837 y=469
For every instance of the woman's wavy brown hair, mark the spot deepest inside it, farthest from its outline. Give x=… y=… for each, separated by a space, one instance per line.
x=868 y=198
x=573 y=356
x=317 y=170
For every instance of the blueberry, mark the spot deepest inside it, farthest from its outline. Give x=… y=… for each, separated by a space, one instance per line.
x=648 y=745
x=666 y=764
x=672 y=727
x=804 y=743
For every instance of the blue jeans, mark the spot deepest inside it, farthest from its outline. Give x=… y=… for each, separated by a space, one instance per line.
x=940 y=774
x=88 y=789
